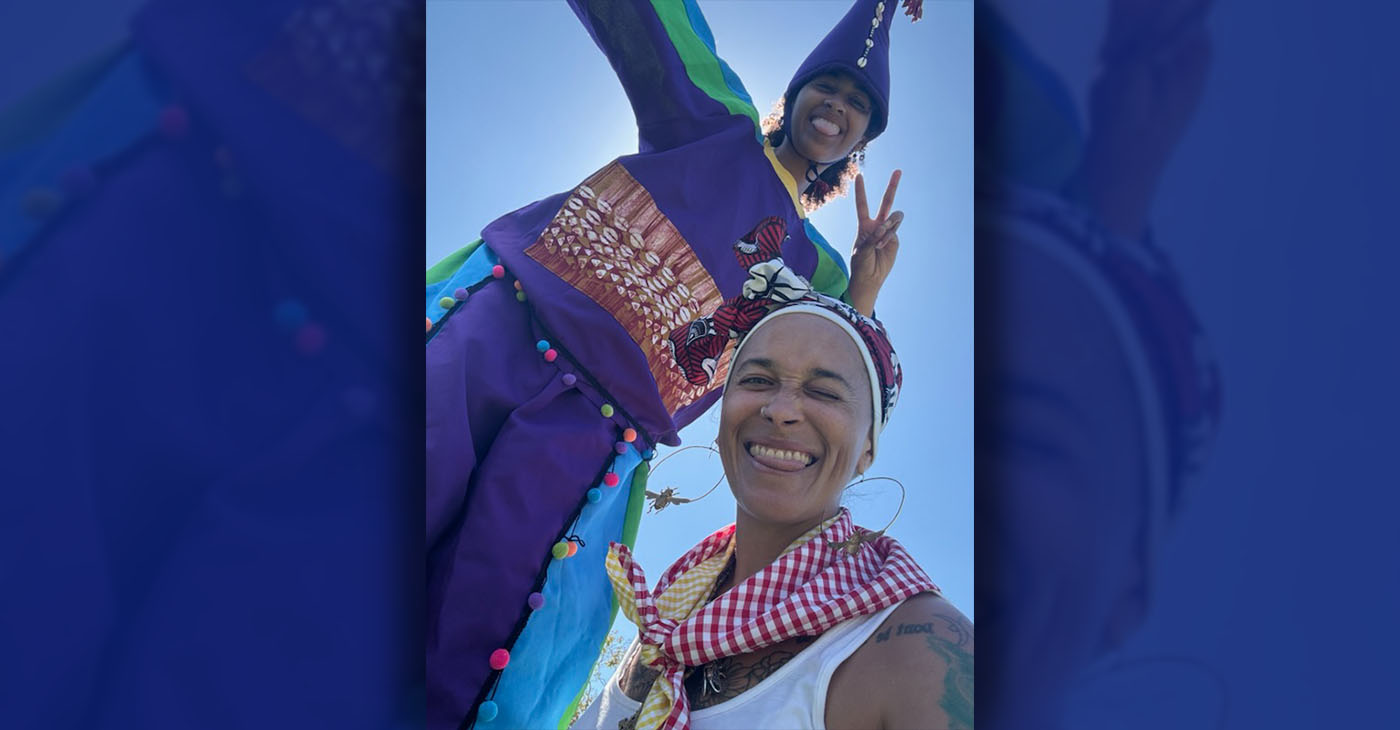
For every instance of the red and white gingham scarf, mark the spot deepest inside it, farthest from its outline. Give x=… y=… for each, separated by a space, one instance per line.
x=811 y=587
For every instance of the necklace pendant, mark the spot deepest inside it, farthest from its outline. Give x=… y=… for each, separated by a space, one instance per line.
x=714 y=680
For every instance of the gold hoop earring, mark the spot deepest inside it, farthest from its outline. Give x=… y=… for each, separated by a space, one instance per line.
x=851 y=545
x=667 y=497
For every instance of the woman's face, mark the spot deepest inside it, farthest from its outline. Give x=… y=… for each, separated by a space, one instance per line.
x=795 y=420
x=829 y=117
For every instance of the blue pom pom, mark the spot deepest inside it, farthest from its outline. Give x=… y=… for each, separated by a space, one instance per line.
x=290 y=314
x=594 y=495
x=487 y=712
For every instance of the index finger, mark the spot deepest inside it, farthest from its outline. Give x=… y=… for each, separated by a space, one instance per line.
x=862 y=208
x=888 y=202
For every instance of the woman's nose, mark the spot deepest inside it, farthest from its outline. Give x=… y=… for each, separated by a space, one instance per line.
x=783 y=408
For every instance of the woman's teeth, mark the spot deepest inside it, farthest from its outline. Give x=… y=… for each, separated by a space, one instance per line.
x=825 y=126
x=797 y=457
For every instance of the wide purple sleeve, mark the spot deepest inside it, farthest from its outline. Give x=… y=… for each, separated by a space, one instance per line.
x=664 y=55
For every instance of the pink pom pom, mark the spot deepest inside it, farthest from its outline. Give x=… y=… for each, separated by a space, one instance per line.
x=311 y=338
x=499 y=659
x=610 y=479
x=174 y=121
x=498 y=271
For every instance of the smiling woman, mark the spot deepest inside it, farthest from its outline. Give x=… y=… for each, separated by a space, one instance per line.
x=795 y=423
x=772 y=621
x=586 y=329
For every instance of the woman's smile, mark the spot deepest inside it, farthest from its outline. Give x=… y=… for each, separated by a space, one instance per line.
x=781 y=459
x=795 y=421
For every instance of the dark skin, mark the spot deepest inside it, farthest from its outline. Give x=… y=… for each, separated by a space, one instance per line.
x=840 y=98
x=915 y=671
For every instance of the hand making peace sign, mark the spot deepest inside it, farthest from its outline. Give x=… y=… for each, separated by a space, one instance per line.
x=877 y=244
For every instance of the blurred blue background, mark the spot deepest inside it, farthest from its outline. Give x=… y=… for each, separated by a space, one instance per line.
x=1269 y=598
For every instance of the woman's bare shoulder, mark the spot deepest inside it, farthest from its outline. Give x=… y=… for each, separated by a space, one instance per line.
x=917 y=668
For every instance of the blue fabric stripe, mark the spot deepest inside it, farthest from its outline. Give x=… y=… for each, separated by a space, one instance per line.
x=731 y=79
x=549 y=662
x=476 y=268
x=821 y=243
x=121 y=110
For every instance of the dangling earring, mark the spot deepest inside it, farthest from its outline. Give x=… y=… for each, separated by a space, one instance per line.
x=667 y=497
x=851 y=545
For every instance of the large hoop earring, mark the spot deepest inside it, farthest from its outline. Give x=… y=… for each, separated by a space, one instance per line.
x=851 y=545
x=667 y=497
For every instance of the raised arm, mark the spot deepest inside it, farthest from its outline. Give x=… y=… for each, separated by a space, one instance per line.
x=664 y=55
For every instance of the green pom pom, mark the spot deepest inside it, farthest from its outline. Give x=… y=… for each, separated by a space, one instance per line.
x=607 y=410
x=446 y=302
x=560 y=550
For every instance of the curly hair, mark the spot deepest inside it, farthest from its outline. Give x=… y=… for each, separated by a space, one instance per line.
x=837 y=177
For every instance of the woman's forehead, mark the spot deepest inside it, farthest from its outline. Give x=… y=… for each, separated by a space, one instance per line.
x=804 y=342
x=838 y=75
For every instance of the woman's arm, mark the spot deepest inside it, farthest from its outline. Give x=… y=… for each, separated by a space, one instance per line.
x=915 y=672
x=664 y=55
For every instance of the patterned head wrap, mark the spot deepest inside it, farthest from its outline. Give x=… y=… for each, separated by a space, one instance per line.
x=881 y=364
x=771 y=291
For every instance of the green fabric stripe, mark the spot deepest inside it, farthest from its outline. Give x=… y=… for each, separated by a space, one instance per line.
x=568 y=717
x=829 y=278
x=635 y=500
x=444 y=269
x=701 y=64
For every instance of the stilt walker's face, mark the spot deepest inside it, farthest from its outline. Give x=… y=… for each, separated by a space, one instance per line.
x=829 y=117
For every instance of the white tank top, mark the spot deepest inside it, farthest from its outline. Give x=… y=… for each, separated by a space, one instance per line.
x=792 y=698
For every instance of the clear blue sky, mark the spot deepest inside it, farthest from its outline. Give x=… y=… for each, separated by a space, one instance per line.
x=522 y=105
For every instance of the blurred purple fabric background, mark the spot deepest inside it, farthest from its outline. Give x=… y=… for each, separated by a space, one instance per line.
x=210 y=382
x=210 y=219
x=1244 y=151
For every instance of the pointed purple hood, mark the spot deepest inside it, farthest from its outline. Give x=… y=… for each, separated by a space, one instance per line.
x=860 y=46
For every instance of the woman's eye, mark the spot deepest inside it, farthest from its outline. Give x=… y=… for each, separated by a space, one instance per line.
x=825 y=395
x=755 y=380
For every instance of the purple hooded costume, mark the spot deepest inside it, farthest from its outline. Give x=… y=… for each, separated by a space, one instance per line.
x=551 y=373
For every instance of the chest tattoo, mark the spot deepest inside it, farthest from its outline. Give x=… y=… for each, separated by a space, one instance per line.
x=721 y=680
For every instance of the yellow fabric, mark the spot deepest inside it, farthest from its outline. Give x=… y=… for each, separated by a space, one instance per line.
x=688 y=594
x=683 y=598
x=785 y=177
